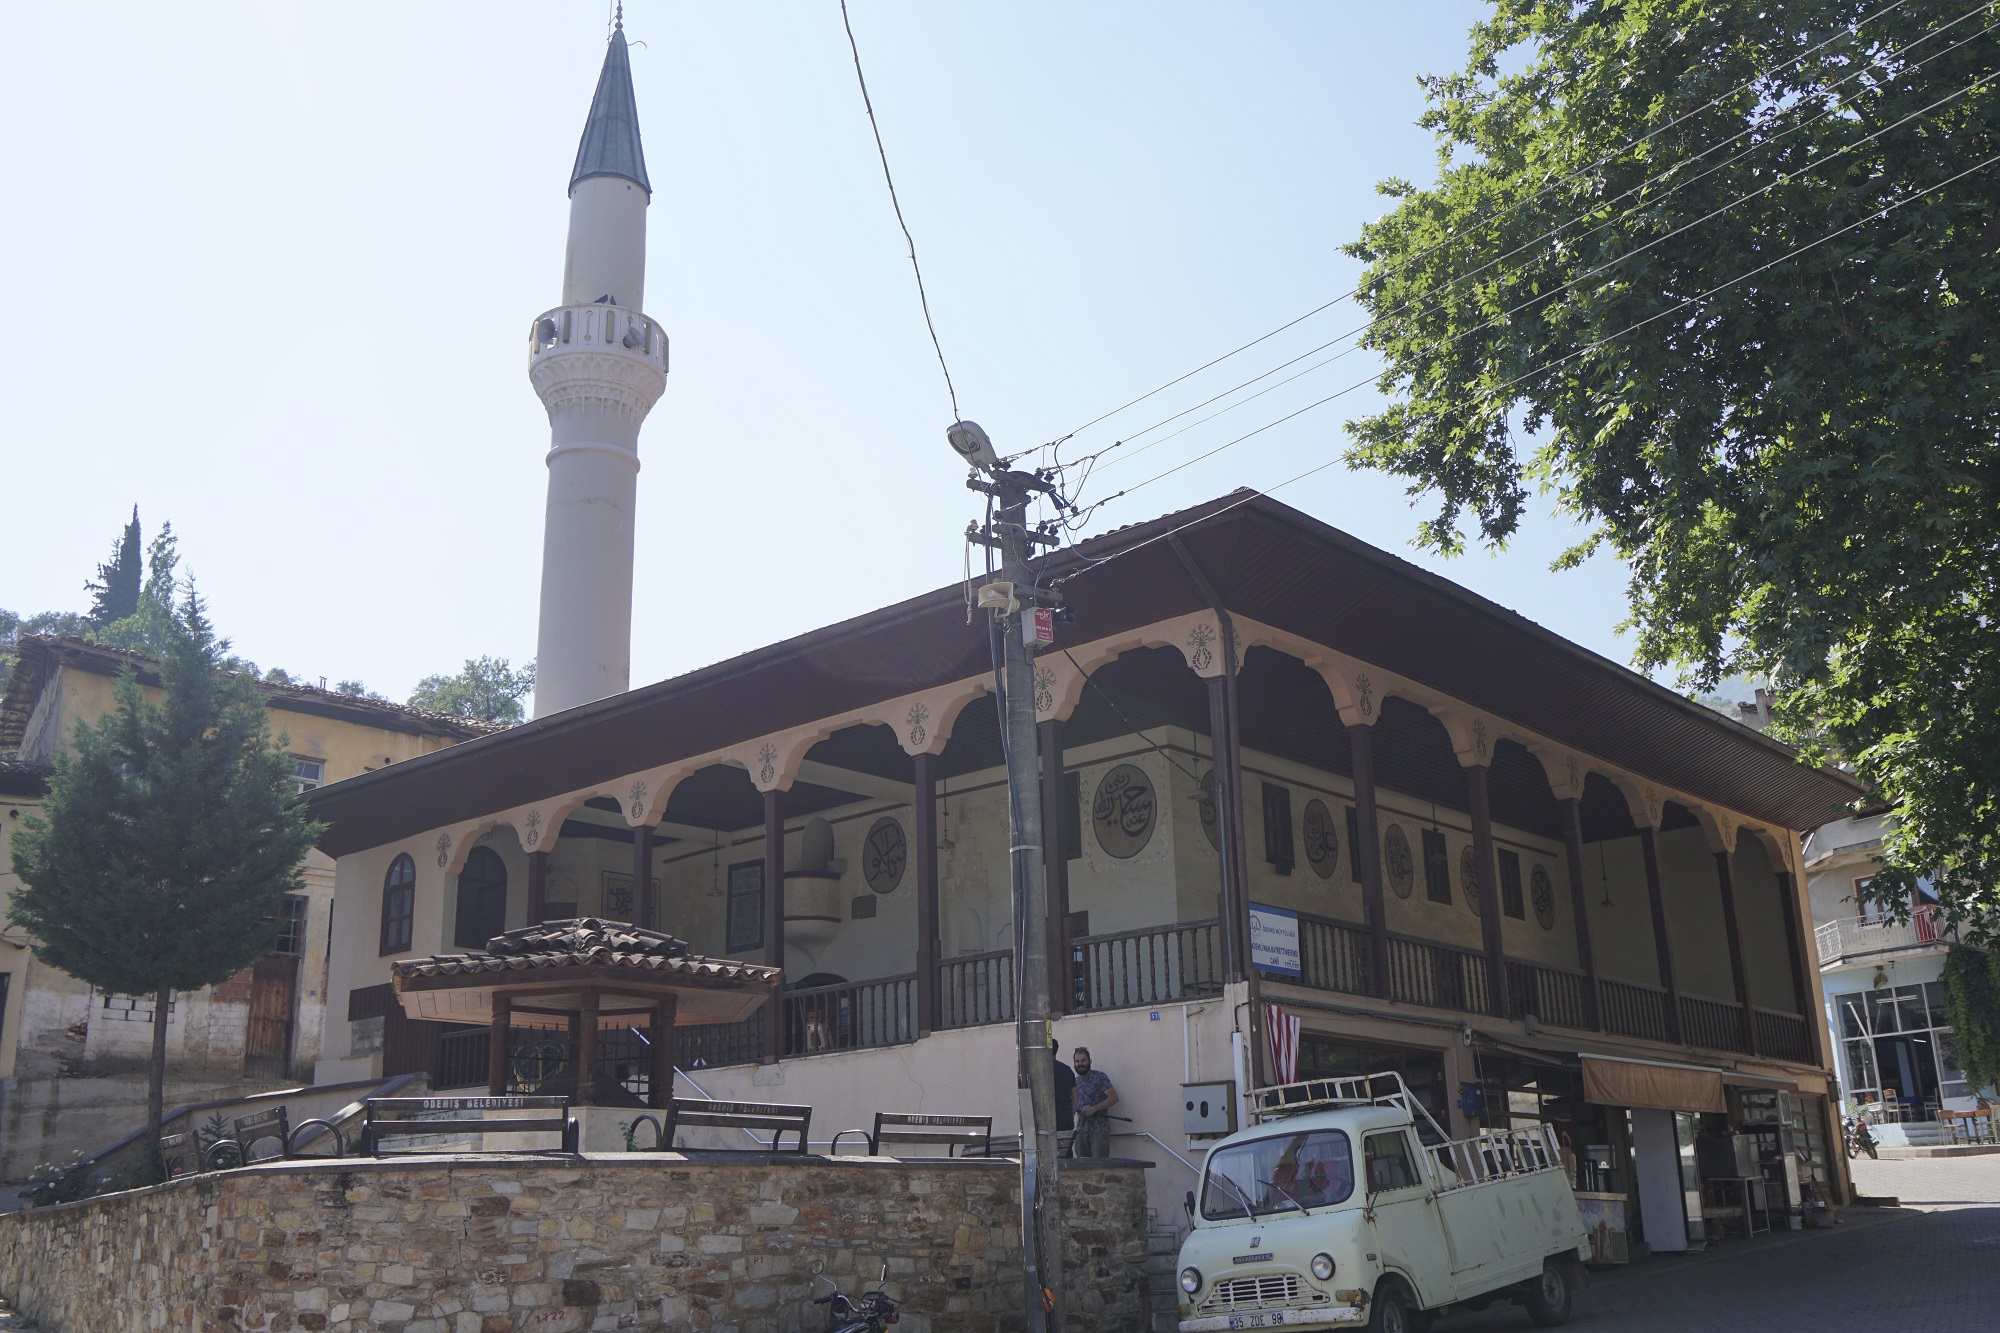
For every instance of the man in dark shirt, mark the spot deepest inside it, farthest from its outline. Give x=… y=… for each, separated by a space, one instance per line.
x=1065 y=1091
x=1094 y=1099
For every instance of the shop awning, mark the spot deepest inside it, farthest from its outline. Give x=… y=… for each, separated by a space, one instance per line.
x=1652 y=1086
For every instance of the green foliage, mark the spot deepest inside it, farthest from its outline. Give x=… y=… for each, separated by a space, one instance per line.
x=1972 y=1006
x=1799 y=469
x=206 y=1136
x=487 y=689
x=116 y=594
x=171 y=834
x=150 y=628
x=355 y=689
x=52 y=1183
x=13 y=626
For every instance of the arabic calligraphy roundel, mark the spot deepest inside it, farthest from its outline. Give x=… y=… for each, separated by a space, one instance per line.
x=1123 y=811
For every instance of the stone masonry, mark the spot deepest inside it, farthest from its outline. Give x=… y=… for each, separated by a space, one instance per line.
x=467 y=1244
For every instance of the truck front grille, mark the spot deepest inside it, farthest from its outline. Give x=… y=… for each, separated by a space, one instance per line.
x=1255 y=1293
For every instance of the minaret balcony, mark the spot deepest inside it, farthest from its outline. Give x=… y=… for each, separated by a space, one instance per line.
x=601 y=356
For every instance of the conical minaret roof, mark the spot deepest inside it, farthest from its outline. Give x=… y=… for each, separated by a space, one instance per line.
x=610 y=145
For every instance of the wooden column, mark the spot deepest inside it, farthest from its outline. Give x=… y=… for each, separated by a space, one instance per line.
x=1649 y=850
x=1055 y=866
x=924 y=853
x=661 y=1035
x=643 y=906
x=774 y=920
x=1228 y=830
x=1804 y=966
x=1367 y=854
x=1579 y=906
x=1489 y=889
x=496 y=1046
x=586 y=1049
x=538 y=886
x=1732 y=928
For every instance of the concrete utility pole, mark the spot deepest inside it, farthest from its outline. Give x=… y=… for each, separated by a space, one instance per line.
x=1011 y=600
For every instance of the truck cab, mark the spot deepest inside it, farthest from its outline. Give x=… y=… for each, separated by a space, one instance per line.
x=1337 y=1210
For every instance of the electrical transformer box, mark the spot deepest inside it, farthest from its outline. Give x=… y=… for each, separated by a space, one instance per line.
x=1209 y=1109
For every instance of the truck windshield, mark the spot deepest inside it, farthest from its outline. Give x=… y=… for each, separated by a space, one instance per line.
x=1278 y=1174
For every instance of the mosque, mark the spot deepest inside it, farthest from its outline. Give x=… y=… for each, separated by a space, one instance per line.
x=1292 y=782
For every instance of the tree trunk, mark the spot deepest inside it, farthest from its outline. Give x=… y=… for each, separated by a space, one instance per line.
x=156 y=1074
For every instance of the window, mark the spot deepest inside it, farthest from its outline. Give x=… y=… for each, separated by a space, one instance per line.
x=292 y=927
x=309 y=773
x=1072 y=817
x=399 y=904
x=1437 y=866
x=1278 y=828
x=746 y=906
x=482 y=899
x=1354 y=845
x=1390 y=1166
x=1511 y=901
x=1871 y=912
x=1278 y=1173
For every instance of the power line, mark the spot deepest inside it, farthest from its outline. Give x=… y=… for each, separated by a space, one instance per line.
x=1539 y=298
x=1094 y=561
x=883 y=153
x=1438 y=296
x=1495 y=217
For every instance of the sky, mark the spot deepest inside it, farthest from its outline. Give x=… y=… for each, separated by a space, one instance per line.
x=272 y=268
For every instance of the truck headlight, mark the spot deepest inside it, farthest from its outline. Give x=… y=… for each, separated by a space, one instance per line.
x=1190 y=1280
x=1322 y=1266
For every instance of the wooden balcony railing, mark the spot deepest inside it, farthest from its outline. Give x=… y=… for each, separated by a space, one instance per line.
x=1634 y=1010
x=1333 y=956
x=1714 y=1024
x=976 y=988
x=850 y=1016
x=1553 y=996
x=1784 y=1036
x=1157 y=965
x=1437 y=975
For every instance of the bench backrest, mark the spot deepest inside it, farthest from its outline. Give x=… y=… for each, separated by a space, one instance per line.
x=956 y=1131
x=180 y=1154
x=774 y=1118
x=252 y=1130
x=387 y=1117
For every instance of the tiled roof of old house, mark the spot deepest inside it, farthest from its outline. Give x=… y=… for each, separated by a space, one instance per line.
x=588 y=942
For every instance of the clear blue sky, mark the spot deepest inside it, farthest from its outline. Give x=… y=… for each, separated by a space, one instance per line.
x=271 y=268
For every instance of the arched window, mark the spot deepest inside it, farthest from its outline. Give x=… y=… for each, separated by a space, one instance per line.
x=399 y=904
x=482 y=899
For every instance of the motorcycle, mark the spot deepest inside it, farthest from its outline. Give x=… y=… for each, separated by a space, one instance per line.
x=1857 y=1137
x=873 y=1313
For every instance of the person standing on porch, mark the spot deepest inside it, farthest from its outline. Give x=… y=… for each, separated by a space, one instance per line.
x=1093 y=1102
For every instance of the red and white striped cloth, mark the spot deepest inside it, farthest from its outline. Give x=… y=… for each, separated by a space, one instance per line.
x=1283 y=1030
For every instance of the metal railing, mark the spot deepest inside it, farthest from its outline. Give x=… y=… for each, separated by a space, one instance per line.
x=1634 y=1010
x=1552 y=995
x=851 y=1016
x=1715 y=1024
x=1437 y=975
x=1334 y=956
x=1784 y=1036
x=1157 y=965
x=1498 y=1155
x=1855 y=938
x=714 y=1045
x=976 y=988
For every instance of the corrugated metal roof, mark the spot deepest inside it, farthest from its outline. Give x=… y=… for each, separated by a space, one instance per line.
x=610 y=144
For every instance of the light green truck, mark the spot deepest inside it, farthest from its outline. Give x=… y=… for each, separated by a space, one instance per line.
x=1331 y=1212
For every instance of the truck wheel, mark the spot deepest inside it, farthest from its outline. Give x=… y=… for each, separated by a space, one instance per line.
x=1389 y=1315
x=1549 y=1297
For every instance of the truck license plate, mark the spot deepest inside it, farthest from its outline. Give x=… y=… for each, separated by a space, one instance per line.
x=1271 y=1320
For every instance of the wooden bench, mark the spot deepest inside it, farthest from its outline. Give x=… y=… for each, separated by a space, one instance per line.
x=272 y=1125
x=970 y=1132
x=403 y=1117
x=775 y=1119
x=180 y=1154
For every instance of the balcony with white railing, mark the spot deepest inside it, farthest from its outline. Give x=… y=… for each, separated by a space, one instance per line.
x=1852 y=938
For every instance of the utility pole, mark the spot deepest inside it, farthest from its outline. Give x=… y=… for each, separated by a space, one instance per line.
x=1012 y=601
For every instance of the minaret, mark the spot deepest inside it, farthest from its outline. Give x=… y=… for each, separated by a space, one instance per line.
x=599 y=366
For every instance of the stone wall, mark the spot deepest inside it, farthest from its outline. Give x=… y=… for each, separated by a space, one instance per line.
x=608 y=1241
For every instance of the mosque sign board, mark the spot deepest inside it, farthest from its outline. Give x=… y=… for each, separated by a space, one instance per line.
x=1274 y=940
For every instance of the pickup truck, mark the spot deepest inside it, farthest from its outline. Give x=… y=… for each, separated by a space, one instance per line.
x=1332 y=1212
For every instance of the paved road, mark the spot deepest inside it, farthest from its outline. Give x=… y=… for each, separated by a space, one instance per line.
x=1931 y=1266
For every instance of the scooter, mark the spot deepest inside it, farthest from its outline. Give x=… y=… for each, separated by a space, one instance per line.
x=1857 y=1137
x=873 y=1313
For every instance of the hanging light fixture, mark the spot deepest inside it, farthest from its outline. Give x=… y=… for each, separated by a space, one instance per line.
x=945 y=844
x=1604 y=875
x=715 y=868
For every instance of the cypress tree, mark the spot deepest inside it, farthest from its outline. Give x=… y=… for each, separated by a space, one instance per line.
x=116 y=593
x=171 y=836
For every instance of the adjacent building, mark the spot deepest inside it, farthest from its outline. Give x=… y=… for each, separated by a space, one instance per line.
x=72 y=1059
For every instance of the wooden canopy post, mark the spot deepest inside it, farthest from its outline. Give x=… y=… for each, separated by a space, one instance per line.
x=1649 y=850
x=1367 y=854
x=586 y=1049
x=1579 y=906
x=924 y=852
x=1732 y=930
x=643 y=906
x=1481 y=810
x=496 y=1046
x=660 y=1086
x=774 y=920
